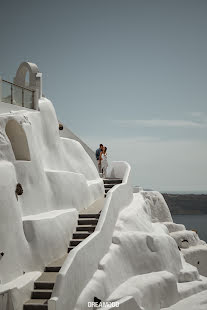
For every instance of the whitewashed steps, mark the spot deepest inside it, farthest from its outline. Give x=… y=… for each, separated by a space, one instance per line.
x=109 y=183
x=44 y=285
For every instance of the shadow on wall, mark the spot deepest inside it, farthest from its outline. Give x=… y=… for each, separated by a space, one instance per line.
x=18 y=140
x=67 y=133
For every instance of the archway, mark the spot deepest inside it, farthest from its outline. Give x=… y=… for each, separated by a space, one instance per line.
x=18 y=140
x=24 y=68
x=35 y=77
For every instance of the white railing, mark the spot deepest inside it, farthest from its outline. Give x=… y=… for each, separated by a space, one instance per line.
x=120 y=170
x=82 y=262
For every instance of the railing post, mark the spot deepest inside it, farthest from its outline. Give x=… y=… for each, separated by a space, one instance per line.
x=33 y=99
x=23 y=97
x=11 y=94
x=36 y=100
x=34 y=94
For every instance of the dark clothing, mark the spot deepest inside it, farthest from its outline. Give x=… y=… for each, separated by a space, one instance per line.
x=98 y=152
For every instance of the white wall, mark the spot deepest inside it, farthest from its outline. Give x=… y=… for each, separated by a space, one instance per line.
x=59 y=180
x=67 y=133
x=138 y=247
x=119 y=170
x=82 y=262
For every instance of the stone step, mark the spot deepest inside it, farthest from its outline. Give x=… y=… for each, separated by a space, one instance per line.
x=44 y=285
x=48 y=277
x=86 y=228
x=114 y=181
x=87 y=221
x=71 y=248
x=89 y=215
x=53 y=268
x=75 y=242
x=81 y=235
x=41 y=294
x=187 y=289
x=56 y=265
x=36 y=304
x=46 y=281
x=109 y=185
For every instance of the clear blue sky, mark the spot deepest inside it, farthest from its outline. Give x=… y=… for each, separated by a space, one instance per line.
x=129 y=74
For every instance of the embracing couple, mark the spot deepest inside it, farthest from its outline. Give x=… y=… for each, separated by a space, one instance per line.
x=101 y=156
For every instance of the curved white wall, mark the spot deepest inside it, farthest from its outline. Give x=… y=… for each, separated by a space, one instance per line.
x=58 y=179
x=67 y=133
x=119 y=170
x=18 y=140
x=82 y=262
x=133 y=236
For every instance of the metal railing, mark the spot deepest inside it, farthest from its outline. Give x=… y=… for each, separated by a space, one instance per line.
x=18 y=95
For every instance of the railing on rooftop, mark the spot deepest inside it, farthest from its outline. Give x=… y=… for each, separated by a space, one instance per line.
x=18 y=95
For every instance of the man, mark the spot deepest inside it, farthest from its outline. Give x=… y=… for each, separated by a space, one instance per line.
x=98 y=152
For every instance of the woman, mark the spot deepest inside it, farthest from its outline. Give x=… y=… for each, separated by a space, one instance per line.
x=103 y=161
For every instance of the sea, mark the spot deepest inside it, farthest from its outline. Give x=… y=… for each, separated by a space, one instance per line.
x=204 y=192
x=193 y=222
x=196 y=222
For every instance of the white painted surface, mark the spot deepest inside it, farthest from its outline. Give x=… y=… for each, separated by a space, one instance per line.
x=119 y=170
x=9 y=108
x=143 y=261
x=194 y=302
x=35 y=77
x=82 y=262
x=67 y=133
x=126 y=303
x=132 y=256
x=193 y=249
x=15 y=293
x=197 y=256
x=151 y=290
x=59 y=180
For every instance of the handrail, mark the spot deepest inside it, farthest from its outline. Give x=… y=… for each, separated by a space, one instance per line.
x=97 y=243
x=32 y=90
x=17 y=95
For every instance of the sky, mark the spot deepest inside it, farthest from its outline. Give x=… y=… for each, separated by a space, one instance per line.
x=130 y=74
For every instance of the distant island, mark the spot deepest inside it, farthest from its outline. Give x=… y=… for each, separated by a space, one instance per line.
x=186 y=203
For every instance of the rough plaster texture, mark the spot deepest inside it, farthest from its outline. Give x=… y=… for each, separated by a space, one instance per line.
x=35 y=77
x=143 y=260
x=82 y=262
x=133 y=255
x=59 y=180
x=67 y=133
x=119 y=170
x=194 y=302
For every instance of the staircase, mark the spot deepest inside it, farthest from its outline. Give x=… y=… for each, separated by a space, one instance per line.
x=109 y=183
x=43 y=286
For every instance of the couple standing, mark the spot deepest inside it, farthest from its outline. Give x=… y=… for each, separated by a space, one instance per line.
x=101 y=157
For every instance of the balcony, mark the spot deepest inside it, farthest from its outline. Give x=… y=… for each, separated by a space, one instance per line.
x=18 y=95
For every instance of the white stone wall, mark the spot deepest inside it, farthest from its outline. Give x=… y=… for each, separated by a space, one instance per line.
x=56 y=179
